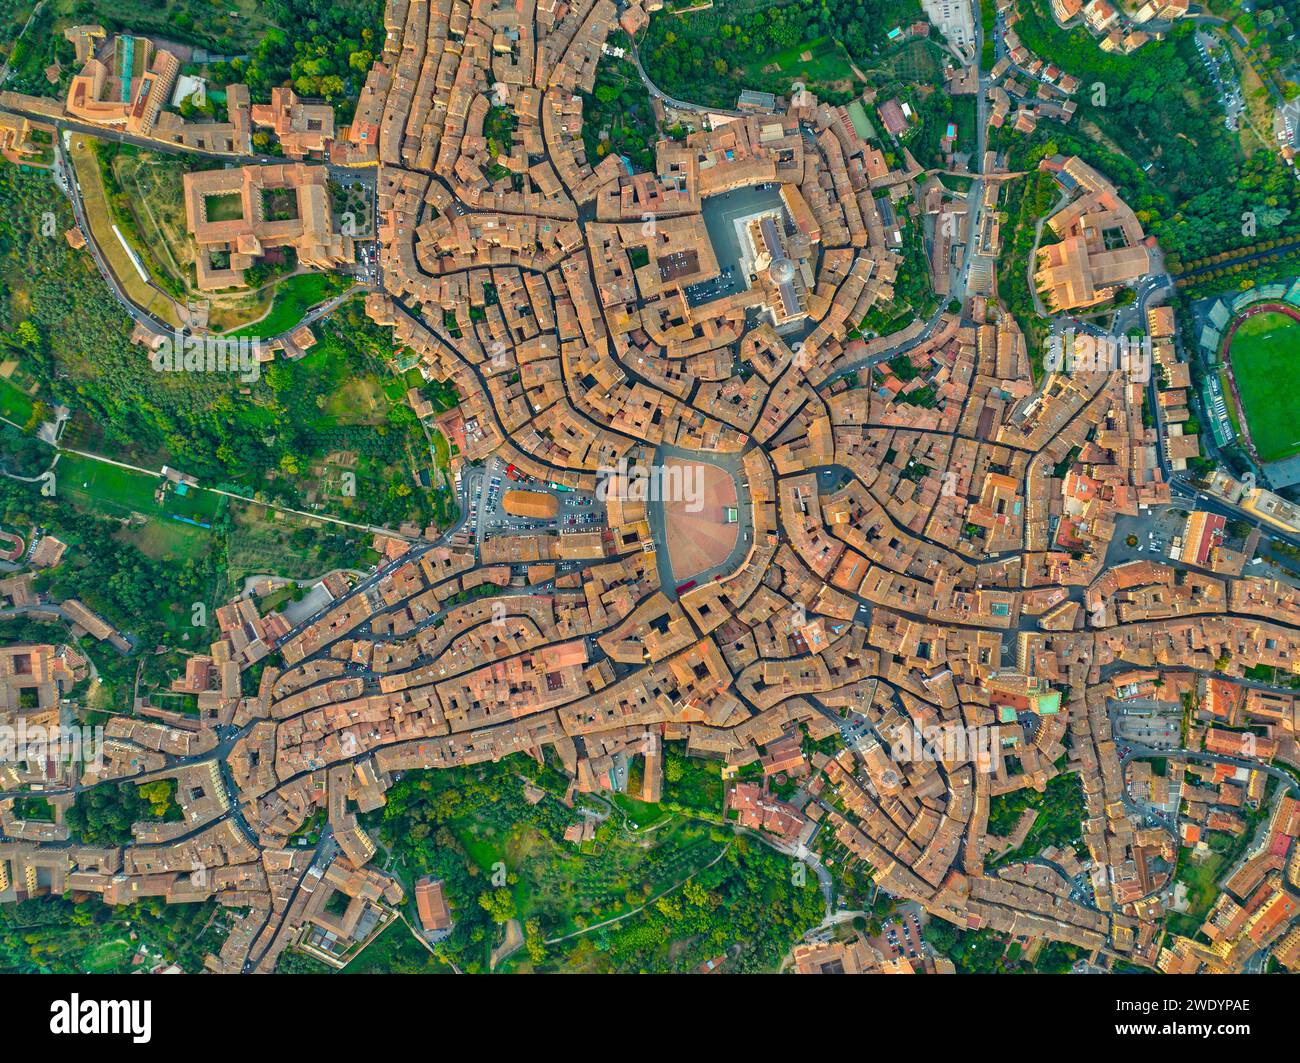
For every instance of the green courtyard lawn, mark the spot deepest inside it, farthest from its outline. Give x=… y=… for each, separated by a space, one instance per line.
x=36 y=809
x=1265 y=357
x=223 y=207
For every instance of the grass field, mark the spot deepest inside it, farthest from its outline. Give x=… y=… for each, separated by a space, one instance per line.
x=820 y=61
x=163 y=539
x=106 y=488
x=15 y=404
x=108 y=956
x=294 y=296
x=1266 y=365
x=112 y=491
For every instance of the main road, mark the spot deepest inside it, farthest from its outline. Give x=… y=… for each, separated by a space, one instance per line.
x=658 y=93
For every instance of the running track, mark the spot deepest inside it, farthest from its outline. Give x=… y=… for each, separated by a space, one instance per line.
x=1258 y=308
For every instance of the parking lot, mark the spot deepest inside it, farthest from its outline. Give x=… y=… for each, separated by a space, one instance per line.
x=901 y=936
x=1218 y=62
x=576 y=511
x=1145 y=722
x=727 y=283
x=1154 y=532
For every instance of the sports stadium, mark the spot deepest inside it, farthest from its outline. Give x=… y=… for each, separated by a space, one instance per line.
x=1255 y=400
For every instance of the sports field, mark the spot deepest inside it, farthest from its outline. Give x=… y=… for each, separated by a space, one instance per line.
x=1265 y=355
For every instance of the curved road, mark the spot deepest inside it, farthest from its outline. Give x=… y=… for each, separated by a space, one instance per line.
x=655 y=91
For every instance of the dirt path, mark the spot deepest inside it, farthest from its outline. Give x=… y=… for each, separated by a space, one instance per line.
x=640 y=907
x=513 y=943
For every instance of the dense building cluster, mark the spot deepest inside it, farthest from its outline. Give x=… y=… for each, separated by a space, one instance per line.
x=913 y=603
